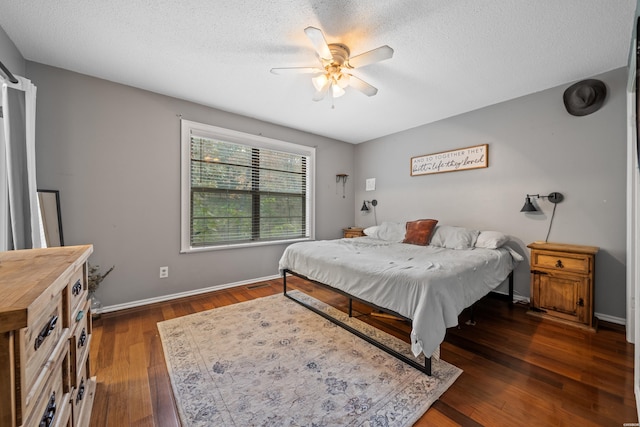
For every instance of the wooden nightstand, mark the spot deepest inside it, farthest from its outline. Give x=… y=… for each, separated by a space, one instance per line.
x=562 y=281
x=353 y=232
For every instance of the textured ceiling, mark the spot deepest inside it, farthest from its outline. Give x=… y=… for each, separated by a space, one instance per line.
x=451 y=56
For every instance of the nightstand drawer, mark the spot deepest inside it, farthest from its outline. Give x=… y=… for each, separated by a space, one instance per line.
x=576 y=263
x=351 y=232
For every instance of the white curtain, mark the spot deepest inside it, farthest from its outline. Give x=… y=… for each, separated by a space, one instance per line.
x=20 y=225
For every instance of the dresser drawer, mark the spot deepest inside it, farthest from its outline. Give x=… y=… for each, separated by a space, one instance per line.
x=77 y=291
x=82 y=400
x=51 y=407
x=40 y=344
x=575 y=263
x=79 y=344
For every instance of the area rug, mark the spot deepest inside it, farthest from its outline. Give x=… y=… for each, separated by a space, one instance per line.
x=272 y=362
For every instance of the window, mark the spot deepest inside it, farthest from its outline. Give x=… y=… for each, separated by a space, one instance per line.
x=240 y=189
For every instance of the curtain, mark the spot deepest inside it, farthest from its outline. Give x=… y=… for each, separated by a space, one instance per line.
x=20 y=224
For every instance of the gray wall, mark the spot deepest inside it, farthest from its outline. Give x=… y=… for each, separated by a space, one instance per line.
x=535 y=146
x=113 y=151
x=10 y=56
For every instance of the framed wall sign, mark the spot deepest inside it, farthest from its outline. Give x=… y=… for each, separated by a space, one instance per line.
x=450 y=161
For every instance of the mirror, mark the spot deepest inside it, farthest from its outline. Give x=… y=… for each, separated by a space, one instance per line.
x=49 y=201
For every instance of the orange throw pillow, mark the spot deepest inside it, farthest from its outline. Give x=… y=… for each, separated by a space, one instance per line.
x=419 y=232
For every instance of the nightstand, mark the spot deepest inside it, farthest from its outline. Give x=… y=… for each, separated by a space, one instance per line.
x=353 y=232
x=562 y=282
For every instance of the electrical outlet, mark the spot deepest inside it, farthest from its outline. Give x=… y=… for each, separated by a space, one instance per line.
x=164 y=272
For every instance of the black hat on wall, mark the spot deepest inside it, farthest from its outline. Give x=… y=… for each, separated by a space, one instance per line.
x=584 y=97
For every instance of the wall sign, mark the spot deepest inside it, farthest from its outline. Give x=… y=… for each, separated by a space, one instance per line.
x=450 y=161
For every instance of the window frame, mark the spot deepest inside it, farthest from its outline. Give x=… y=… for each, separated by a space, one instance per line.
x=189 y=128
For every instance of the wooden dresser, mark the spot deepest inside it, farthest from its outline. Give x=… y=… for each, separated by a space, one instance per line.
x=45 y=327
x=562 y=282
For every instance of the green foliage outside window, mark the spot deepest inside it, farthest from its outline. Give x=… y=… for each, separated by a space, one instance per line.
x=243 y=194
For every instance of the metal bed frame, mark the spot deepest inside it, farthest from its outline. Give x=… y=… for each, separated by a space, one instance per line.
x=426 y=368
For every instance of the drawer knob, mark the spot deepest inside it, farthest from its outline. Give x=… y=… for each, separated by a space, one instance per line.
x=45 y=332
x=50 y=412
x=80 y=394
x=559 y=264
x=83 y=338
x=77 y=288
x=580 y=302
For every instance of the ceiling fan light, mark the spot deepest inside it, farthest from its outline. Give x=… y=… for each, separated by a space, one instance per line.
x=320 y=81
x=343 y=80
x=336 y=91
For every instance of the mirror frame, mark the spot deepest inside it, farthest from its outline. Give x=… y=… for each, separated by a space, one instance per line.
x=49 y=201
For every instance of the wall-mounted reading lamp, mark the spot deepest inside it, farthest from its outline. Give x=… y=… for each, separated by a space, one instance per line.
x=554 y=198
x=365 y=208
x=529 y=207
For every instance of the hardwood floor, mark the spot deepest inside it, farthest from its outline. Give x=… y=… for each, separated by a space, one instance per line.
x=518 y=370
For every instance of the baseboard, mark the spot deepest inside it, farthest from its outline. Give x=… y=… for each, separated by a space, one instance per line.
x=163 y=298
x=611 y=319
x=600 y=316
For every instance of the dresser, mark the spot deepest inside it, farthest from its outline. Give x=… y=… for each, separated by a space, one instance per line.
x=45 y=327
x=562 y=283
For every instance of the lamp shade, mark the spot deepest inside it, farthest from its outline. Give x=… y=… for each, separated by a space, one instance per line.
x=364 y=207
x=528 y=206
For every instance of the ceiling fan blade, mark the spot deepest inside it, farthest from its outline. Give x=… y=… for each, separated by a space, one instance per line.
x=297 y=70
x=376 y=55
x=319 y=43
x=362 y=86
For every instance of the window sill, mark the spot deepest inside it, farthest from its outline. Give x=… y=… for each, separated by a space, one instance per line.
x=191 y=250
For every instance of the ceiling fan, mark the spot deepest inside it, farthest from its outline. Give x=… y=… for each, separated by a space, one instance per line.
x=334 y=75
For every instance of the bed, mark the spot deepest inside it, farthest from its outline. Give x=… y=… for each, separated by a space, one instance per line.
x=428 y=284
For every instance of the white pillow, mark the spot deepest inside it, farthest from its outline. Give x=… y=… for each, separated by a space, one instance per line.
x=450 y=237
x=491 y=239
x=371 y=231
x=389 y=231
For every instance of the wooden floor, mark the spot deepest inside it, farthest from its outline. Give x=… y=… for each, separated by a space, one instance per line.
x=518 y=370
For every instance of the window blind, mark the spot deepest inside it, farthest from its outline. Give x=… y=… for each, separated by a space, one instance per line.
x=245 y=193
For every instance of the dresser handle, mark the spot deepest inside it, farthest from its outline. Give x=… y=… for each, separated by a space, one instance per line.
x=46 y=331
x=83 y=338
x=77 y=288
x=80 y=315
x=80 y=394
x=559 y=264
x=50 y=412
x=580 y=302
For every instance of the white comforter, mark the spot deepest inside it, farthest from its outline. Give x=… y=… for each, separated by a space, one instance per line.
x=427 y=284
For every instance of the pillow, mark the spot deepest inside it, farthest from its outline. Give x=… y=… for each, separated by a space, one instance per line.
x=447 y=236
x=389 y=231
x=419 y=231
x=371 y=231
x=392 y=231
x=491 y=239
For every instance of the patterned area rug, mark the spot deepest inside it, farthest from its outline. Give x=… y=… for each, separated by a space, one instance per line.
x=272 y=362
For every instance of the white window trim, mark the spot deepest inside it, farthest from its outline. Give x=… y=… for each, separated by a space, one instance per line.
x=189 y=128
